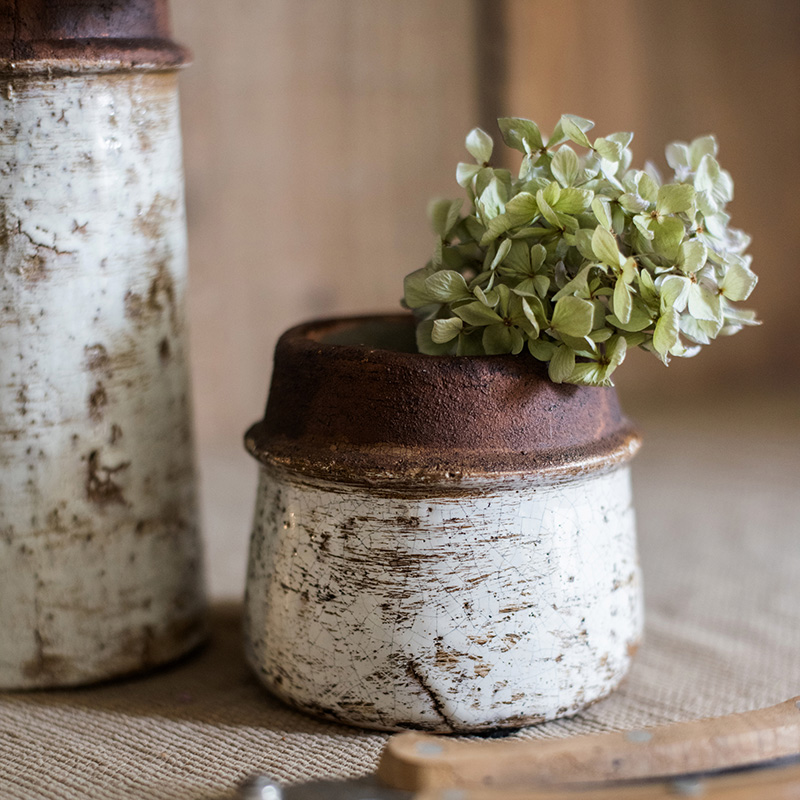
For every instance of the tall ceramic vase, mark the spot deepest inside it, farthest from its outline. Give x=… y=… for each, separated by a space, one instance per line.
x=100 y=562
x=440 y=542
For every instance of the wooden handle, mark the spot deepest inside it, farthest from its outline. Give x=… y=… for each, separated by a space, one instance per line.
x=778 y=783
x=415 y=761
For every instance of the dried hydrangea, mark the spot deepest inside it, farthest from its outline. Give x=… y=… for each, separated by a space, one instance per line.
x=581 y=257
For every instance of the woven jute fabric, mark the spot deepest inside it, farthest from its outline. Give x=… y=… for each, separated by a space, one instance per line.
x=719 y=518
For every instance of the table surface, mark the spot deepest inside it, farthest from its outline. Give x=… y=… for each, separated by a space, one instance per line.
x=716 y=490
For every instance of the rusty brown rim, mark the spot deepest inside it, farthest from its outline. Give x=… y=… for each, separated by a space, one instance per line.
x=364 y=413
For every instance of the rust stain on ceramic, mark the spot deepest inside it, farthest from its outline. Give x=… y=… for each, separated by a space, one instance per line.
x=102 y=34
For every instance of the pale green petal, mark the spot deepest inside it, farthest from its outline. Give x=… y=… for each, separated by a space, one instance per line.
x=466 y=172
x=562 y=364
x=446 y=329
x=517 y=132
x=443 y=215
x=573 y=201
x=572 y=316
x=479 y=145
x=702 y=146
x=501 y=253
x=497 y=339
x=564 y=165
x=590 y=374
x=608 y=149
x=477 y=314
x=623 y=301
x=541 y=349
x=738 y=282
x=616 y=349
x=692 y=256
x=575 y=129
x=674 y=292
x=605 y=247
x=447 y=286
x=667 y=332
x=667 y=237
x=703 y=304
x=602 y=211
x=674 y=198
x=416 y=292
x=425 y=343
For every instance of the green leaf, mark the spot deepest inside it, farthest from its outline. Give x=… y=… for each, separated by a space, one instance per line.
x=667 y=331
x=647 y=290
x=640 y=319
x=425 y=343
x=590 y=374
x=575 y=129
x=447 y=286
x=564 y=165
x=605 y=247
x=646 y=187
x=578 y=286
x=446 y=329
x=541 y=349
x=616 y=349
x=562 y=364
x=623 y=301
x=674 y=198
x=477 y=314
x=416 y=292
x=546 y=210
x=516 y=132
x=572 y=316
x=443 y=215
x=602 y=211
x=499 y=339
x=466 y=172
x=501 y=253
x=479 y=145
x=573 y=201
x=583 y=241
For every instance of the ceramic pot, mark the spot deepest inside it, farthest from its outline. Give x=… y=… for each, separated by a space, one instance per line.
x=444 y=543
x=100 y=571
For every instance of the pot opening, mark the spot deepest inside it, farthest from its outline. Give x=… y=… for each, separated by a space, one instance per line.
x=386 y=333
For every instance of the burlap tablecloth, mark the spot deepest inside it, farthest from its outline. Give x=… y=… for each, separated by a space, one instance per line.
x=717 y=498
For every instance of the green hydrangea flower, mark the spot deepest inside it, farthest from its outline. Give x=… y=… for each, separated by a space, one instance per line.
x=580 y=257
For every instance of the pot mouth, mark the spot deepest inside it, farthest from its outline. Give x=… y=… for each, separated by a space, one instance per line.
x=392 y=334
x=350 y=399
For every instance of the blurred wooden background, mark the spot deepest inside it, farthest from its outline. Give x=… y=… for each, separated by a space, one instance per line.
x=316 y=130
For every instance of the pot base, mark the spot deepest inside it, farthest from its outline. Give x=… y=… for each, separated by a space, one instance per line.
x=493 y=605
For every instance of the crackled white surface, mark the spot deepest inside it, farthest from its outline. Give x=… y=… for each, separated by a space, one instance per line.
x=482 y=609
x=99 y=553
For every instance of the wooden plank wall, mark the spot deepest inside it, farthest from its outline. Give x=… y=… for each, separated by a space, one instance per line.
x=315 y=131
x=672 y=71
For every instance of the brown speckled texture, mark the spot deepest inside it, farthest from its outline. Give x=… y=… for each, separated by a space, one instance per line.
x=83 y=34
x=356 y=409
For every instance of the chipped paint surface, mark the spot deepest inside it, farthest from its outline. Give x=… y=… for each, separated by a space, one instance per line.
x=100 y=570
x=510 y=604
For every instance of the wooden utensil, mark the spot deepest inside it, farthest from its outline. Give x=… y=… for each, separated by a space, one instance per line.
x=421 y=762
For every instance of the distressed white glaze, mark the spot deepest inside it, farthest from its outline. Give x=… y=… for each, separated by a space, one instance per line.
x=100 y=569
x=494 y=606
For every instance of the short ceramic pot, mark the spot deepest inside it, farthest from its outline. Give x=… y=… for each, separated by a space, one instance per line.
x=445 y=543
